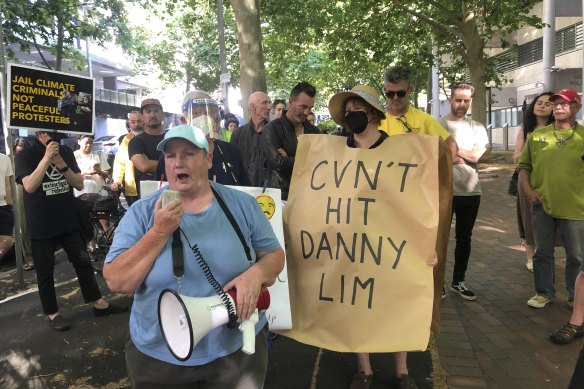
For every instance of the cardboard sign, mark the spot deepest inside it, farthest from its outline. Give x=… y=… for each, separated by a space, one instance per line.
x=278 y=315
x=46 y=100
x=360 y=226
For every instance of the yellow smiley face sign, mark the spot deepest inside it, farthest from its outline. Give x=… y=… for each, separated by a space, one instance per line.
x=267 y=204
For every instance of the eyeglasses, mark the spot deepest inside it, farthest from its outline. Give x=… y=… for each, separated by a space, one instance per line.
x=562 y=103
x=391 y=94
x=402 y=120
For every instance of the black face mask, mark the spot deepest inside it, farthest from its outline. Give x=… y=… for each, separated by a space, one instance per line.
x=357 y=121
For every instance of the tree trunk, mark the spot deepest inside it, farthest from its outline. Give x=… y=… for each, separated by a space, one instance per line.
x=251 y=55
x=474 y=57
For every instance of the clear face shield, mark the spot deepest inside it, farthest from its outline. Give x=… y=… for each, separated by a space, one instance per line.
x=204 y=114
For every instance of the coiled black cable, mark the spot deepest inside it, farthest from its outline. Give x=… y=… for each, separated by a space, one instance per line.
x=213 y=282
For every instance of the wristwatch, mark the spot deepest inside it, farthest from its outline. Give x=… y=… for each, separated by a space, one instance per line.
x=63 y=170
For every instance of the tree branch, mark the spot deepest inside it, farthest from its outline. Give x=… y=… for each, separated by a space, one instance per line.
x=36 y=45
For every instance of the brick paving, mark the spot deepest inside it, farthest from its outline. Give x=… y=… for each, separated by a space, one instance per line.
x=498 y=341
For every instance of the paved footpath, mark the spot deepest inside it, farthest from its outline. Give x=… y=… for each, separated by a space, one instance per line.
x=498 y=341
x=494 y=342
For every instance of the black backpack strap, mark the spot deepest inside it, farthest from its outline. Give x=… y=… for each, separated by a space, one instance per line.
x=233 y=224
x=178 y=259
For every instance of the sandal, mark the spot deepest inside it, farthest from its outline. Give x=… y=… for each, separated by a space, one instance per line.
x=29 y=266
x=567 y=334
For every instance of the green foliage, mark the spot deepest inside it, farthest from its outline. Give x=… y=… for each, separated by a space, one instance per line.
x=329 y=127
x=187 y=49
x=56 y=25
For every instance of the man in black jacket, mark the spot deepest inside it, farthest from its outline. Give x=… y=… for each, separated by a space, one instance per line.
x=248 y=138
x=280 y=137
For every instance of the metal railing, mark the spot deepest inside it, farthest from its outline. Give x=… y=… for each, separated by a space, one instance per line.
x=122 y=98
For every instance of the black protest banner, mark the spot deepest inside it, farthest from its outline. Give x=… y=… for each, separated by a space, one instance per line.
x=46 y=100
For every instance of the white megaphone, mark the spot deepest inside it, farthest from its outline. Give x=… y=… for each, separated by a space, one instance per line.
x=185 y=320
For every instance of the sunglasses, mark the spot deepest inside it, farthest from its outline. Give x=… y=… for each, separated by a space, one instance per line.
x=391 y=94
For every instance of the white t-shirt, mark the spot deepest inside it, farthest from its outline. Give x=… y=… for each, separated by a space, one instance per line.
x=91 y=183
x=469 y=135
x=5 y=171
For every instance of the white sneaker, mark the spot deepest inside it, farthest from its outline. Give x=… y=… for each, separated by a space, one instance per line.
x=538 y=301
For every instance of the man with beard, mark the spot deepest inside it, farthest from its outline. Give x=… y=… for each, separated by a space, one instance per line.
x=248 y=138
x=472 y=142
x=281 y=135
x=142 y=148
x=123 y=173
x=551 y=170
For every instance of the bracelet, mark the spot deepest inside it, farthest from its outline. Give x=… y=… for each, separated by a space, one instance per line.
x=63 y=170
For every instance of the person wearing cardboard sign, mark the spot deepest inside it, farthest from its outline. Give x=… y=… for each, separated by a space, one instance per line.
x=551 y=170
x=48 y=173
x=143 y=258
x=359 y=112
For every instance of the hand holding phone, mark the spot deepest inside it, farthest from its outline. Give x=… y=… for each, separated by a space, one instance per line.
x=169 y=195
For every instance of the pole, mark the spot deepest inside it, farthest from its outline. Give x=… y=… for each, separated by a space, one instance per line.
x=549 y=45
x=224 y=77
x=436 y=85
x=89 y=69
x=8 y=138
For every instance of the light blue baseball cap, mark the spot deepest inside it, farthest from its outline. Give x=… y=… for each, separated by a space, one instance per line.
x=189 y=133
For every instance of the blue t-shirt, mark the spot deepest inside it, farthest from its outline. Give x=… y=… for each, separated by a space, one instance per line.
x=211 y=231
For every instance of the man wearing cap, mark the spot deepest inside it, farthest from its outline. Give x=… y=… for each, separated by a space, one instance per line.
x=401 y=117
x=551 y=169
x=48 y=173
x=201 y=111
x=472 y=141
x=123 y=172
x=142 y=148
x=140 y=261
x=280 y=137
x=248 y=138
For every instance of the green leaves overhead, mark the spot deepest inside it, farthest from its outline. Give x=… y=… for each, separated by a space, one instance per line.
x=186 y=46
x=56 y=25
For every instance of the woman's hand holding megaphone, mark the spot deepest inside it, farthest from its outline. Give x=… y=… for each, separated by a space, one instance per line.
x=248 y=286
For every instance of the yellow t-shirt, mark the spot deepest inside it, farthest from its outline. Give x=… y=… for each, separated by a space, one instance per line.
x=419 y=122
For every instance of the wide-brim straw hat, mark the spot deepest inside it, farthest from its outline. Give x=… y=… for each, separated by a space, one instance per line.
x=367 y=93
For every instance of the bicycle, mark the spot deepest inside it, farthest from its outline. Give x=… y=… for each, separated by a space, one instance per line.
x=105 y=213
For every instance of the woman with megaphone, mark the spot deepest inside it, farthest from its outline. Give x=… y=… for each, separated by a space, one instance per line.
x=200 y=242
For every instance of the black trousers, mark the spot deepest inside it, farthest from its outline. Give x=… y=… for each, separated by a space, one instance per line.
x=43 y=254
x=234 y=371
x=466 y=209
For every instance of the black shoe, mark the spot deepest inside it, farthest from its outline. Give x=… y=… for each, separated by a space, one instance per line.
x=463 y=291
x=361 y=381
x=406 y=382
x=60 y=324
x=110 y=310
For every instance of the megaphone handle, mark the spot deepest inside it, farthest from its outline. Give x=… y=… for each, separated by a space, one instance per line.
x=247 y=329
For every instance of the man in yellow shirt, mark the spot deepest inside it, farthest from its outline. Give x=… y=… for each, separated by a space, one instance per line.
x=123 y=173
x=401 y=117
